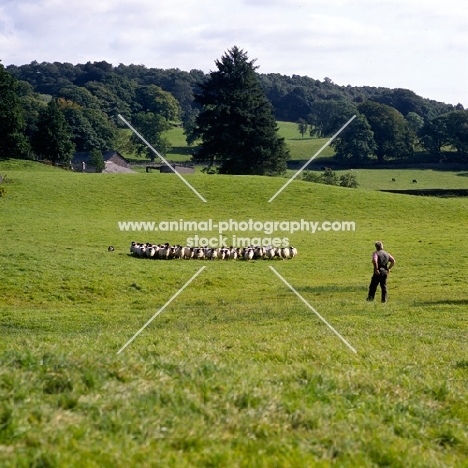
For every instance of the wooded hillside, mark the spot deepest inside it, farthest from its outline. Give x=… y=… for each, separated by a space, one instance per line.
x=90 y=96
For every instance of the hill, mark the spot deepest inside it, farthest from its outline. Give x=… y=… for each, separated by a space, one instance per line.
x=236 y=365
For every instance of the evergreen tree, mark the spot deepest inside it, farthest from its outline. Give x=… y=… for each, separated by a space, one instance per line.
x=13 y=143
x=53 y=139
x=96 y=161
x=236 y=125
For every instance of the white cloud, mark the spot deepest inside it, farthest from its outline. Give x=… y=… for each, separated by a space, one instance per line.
x=396 y=43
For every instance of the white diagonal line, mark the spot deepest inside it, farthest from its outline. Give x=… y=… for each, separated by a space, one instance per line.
x=313 y=310
x=157 y=154
x=312 y=158
x=161 y=309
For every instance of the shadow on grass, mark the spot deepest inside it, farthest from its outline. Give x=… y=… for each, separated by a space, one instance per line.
x=442 y=193
x=331 y=289
x=463 y=174
x=302 y=139
x=442 y=302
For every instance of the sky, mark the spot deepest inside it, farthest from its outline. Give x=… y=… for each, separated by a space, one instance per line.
x=420 y=45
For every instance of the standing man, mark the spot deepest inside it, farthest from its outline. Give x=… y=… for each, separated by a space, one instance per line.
x=383 y=262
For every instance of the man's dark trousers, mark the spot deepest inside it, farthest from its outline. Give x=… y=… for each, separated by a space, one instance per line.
x=375 y=281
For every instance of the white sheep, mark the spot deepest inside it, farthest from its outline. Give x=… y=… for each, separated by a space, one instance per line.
x=187 y=252
x=178 y=251
x=285 y=253
x=198 y=253
x=270 y=253
x=164 y=251
x=248 y=254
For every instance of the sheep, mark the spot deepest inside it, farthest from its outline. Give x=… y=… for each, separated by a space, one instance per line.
x=141 y=250
x=164 y=251
x=270 y=253
x=167 y=252
x=232 y=253
x=110 y=248
x=187 y=252
x=151 y=251
x=171 y=253
x=178 y=251
x=208 y=253
x=259 y=252
x=285 y=253
x=198 y=253
x=248 y=253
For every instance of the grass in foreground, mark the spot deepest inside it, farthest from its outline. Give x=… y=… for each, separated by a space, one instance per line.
x=236 y=371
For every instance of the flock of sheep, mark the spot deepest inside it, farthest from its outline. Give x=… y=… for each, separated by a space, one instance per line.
x=169 y=252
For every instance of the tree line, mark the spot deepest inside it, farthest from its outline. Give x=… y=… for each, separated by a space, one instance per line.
x=55 y=109
x=382 y=133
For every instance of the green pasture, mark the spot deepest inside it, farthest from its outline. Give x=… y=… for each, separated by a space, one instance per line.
x=382 y=179
x=236 y=371
x=303 y=148
x=299 y=148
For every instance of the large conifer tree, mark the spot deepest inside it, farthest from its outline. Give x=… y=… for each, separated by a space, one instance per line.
x=237 y=124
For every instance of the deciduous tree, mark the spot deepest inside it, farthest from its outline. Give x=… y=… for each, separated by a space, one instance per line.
x=356 y=143
x=151 y=126
x=302 y=126
x=153 y=99
x=457 y=132
x=433 y=136
x=53 y=139
x=391 y=132
x=13 y=143
x=96 y=161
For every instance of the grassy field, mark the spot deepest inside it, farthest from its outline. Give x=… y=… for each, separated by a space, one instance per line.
x=382 y=179
x=300 y=148
x=303 y=148
x=237 y=371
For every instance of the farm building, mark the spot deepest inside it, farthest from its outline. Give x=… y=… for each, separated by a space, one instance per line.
x=80 y=161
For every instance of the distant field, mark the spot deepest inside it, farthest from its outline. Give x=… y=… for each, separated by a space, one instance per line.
x=381 y=179
x=300 y=148
x=237 y=371
x=303 y=148
x=180 y=151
